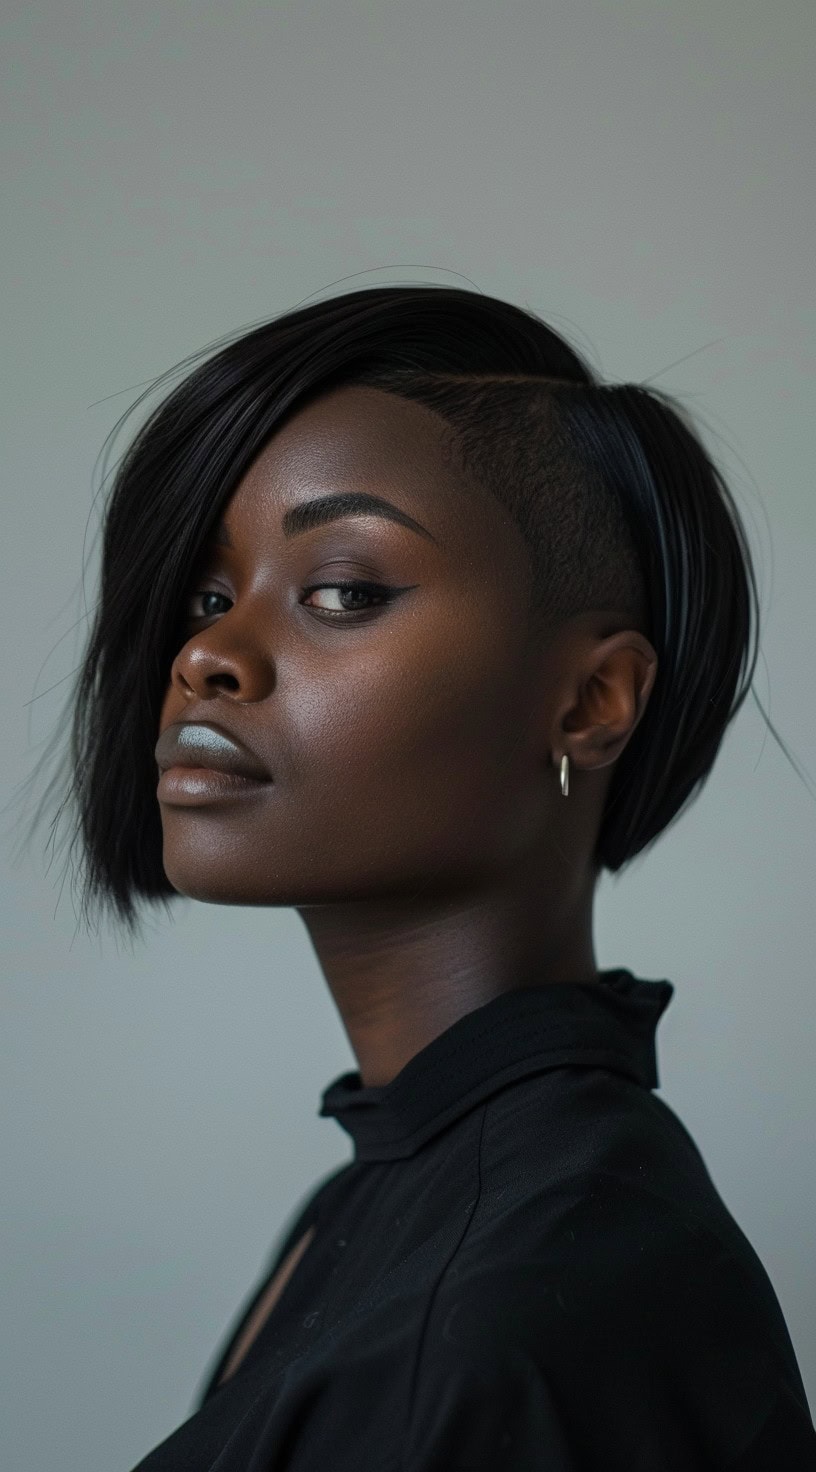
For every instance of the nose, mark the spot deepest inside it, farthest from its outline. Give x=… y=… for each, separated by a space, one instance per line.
x=215 y=660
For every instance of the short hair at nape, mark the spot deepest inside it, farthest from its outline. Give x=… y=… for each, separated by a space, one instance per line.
x=618 y=502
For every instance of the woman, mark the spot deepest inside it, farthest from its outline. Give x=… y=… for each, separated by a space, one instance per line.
x=421 y=627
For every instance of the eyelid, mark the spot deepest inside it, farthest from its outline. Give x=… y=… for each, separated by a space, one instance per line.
x=387 y=593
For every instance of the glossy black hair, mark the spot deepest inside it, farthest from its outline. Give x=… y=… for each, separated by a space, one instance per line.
x=619 y=503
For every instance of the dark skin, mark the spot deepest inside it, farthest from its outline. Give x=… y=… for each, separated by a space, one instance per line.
x=415 y=820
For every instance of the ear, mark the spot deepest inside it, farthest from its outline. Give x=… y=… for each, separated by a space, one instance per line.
x=615 y=679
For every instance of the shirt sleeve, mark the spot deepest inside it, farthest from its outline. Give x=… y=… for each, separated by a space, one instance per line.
x=649 y=1351
x=485 y=1412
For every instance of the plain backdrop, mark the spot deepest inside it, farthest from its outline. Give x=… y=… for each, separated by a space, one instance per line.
x=637 y=172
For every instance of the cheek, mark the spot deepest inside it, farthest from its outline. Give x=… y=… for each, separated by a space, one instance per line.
x=420 y=745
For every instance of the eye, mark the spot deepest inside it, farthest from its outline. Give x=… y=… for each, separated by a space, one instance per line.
x=204 y=593
x=357 y=589
x=367 y=595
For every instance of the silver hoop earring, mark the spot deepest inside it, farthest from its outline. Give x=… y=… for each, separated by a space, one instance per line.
x=565 y=774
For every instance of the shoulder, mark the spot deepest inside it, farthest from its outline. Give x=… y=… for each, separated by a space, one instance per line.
x=595 y=1251
x=592 y=1167
x=618 y=1317
x=624 y=1234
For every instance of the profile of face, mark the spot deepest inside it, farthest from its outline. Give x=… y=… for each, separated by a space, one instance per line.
x=398 y=719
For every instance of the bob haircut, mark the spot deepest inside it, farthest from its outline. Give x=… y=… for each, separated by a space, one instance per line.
x=617 y=500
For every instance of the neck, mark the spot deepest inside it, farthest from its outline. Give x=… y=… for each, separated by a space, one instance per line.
x=403 y=971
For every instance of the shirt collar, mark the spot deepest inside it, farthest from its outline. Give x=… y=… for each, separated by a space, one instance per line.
x=608 y=1023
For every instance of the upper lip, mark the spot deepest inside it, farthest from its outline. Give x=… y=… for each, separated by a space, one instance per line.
x=205 y=744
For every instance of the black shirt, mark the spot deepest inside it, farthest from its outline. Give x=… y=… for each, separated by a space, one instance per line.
x=525 y=1266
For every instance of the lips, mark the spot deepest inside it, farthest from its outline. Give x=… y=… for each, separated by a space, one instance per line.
x=204 y=744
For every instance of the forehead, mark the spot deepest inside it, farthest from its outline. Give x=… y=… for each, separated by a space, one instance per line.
x=356 y=427
x=357 y=438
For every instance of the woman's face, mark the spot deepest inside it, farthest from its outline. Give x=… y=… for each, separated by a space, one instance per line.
x=392 y=720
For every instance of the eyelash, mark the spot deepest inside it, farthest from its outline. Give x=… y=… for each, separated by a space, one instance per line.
x=339 y=613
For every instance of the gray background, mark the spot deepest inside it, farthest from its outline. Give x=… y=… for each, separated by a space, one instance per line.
x=641 y=175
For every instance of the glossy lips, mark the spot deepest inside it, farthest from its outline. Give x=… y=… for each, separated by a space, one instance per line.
x=199 y=761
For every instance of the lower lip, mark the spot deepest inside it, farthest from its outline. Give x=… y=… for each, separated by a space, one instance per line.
x=190 y=785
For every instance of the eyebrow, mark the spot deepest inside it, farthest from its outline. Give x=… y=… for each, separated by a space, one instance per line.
x=323 y=509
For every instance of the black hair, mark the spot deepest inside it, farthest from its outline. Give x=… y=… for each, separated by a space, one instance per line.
x=618 y=501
